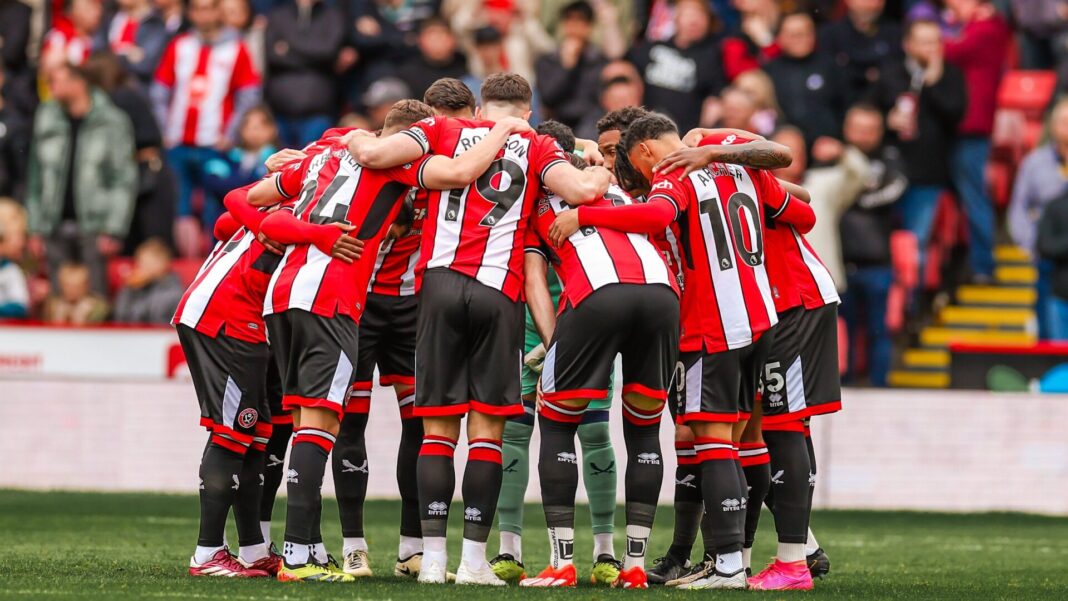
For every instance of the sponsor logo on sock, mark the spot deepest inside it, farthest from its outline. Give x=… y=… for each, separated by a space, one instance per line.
x=636 y=547
x=687 y=481
x=565 y=457
x=811 y=479
x=776 y=478
x=292 y=476
x=733 y=504
x=473 y=514
x=347 y=467
x=237 y=482
x=261 y=480
x=565 y=549
x=597 y=471
x=510 y=468
x=649 y=458
x=201 y=484
x=437 y=508
x=272 y=460
x=775 y=400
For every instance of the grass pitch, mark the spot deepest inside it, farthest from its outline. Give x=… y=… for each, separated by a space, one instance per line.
x=137 y=546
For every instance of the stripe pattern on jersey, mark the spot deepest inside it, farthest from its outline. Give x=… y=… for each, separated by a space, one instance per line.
x=223 y=259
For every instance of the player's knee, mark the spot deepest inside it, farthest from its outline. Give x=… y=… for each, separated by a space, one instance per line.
x=483 y=425
x=517 y=433
x=447 y=426
x=718 y=430
x=320 y=418
x=595 y=436
x=684 y=434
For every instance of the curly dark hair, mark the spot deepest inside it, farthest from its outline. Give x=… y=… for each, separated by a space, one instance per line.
x=629 y=178
x=621 y=119
x=652 y=125
x=560 y=132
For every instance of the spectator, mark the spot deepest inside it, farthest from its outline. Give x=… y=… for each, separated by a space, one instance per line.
x=1042 y=177
x=489 y=56
x=201 y=104
x=14 y=145
x=381 y=96
x=522 y=36
x=74 y=43
x=172 y=13
x=244 y=164
x=768 y=115
x=738 y=109
x=80 y=208
x=753 y=42
x=14 y=293
x=806 y=82
x=613 y=23
x=138 y=35
x=237 y=15
x=925 y=100
x=682 y=73
x=75 y=303
x=303 y=40
x=860 y=43
x=155 y=208
x=375 y=45
x=14 y=39
x=979 y=51
x=1041 y=24
x=152 y=291
x=865 y=234
x=438 y=57
x=567 y=78
x=620 y=86
x=1052 y=243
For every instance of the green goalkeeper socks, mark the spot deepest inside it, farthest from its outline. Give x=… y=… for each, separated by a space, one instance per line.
x=599 y=474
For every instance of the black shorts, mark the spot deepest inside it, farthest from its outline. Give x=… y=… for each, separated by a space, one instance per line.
x=274 y=395
x=316 y=358
x=720 y=387
x=229 y=376
x=469 y=348
x=801 y=376
x=387 y=340
x=638 y=321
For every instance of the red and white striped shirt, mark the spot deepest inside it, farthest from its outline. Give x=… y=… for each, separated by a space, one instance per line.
x=333 y=187
x=479 y=230
x=203 y=78
x=727 y=302
x=122 y=32
x=394 y=272
x=66 y=46
x=593 y=257
x=227 y=293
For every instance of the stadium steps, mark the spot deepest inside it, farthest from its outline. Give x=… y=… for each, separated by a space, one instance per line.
x=1001 y=313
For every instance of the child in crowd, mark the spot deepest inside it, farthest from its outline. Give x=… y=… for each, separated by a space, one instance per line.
x=75 y=304
x=14 y=293
x=152 y=291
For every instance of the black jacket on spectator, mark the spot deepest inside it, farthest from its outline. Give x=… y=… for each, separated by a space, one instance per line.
x=1053 y=242
x=301 y=50
x=153 y=303
x=570 y=94
x=867 y=225
x=940 y=109
x=810 y=92
x=15 y=133
x=152 y=38
x=20 y=79
x=677 y=80
x=860 y=55
x=419 y=73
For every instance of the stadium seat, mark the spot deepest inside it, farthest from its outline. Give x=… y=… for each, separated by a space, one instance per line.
x=1027 y=91
x=905 y=257
x=1000 y=175
x=186 y=269
x=119 y=269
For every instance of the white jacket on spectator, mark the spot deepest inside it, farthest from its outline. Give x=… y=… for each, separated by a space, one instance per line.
x=834 y=189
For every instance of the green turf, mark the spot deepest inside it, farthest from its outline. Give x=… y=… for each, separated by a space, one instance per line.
x=136 y=546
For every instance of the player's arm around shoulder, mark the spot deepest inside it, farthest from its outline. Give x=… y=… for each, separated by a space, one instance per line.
x=446 y=173
x=387 y=152
x=576 y=187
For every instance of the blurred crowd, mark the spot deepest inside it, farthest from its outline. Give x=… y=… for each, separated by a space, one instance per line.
x=123 y=122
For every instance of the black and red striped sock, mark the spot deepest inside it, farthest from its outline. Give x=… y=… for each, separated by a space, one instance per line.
x=754 y=459
x=350 y=469
x=688 y=503
x=220 y=478
x=437 y=482
x=481 y=487
x=304 y=477
x=723 y=497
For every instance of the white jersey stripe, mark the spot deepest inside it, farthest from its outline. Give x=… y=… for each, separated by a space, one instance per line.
x=819 y=272
x=197 y=302
x=220 y=68
x=746 y=186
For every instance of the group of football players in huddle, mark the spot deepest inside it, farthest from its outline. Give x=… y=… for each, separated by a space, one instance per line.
x=495 y=272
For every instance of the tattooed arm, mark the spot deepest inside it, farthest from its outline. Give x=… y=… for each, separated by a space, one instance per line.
x=760 y=154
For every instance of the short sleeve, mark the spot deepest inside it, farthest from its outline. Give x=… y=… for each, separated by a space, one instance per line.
x=290 y=178
x=670 y=189
x=410 y=174
x=426 y=133
x=532 y=243
x=771 y=192
x=545 y=153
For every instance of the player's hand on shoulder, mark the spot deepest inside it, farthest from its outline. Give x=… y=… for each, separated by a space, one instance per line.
x=277 y=160
x=346 y=248
x=514 y=125
x=563 y=226
x=687 y=159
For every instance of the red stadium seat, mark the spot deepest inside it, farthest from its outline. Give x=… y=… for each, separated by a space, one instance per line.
x=186 y=269
x=119 y=269
x=1000 y=175
x=1027 y=91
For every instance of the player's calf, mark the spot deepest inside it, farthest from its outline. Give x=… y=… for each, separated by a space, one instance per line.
x=351 y=472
